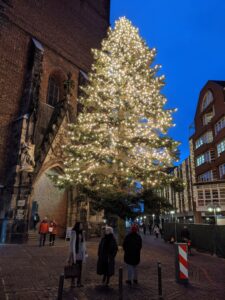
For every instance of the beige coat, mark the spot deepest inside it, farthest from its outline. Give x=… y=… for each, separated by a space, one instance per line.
x=72 y=248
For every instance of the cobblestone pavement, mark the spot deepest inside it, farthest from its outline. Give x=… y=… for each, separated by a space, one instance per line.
x=28 y=272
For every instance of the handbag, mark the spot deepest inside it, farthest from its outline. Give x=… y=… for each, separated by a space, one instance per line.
x=72 y=271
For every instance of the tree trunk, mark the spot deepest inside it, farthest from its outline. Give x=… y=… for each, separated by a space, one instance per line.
x=121 y=231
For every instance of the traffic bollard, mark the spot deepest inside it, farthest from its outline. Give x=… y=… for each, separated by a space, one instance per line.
x=181 y=262
x=120 y=283
x=60 y=289
x=159 y=267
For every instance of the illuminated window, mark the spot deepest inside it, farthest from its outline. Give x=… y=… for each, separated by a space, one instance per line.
x=204 y=139
x=221 y=147
x=201 y=159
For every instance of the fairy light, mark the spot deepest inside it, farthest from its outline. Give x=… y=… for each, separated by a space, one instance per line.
x=108 y=147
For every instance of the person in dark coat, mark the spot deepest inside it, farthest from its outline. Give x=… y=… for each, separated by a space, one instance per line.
x=144 y=228
x=132 y=250
x=36 y=220
x=106 y=255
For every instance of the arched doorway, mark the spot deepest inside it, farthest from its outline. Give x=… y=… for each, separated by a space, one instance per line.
x=49 y=201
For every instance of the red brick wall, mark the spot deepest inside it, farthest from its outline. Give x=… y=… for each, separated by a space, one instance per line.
x=13 y=57
x=200 y=129
x=67 y=29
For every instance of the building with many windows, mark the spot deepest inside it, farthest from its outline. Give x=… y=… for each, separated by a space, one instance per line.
x=207 y=151
x=181 y=199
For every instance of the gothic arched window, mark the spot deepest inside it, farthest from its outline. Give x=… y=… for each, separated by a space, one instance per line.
x=53 y=91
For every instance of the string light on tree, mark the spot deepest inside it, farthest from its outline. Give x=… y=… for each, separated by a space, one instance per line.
x=121 y=135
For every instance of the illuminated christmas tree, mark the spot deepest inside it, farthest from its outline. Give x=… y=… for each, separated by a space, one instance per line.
x=120 y=137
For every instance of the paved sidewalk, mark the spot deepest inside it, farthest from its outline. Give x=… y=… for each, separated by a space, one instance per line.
x=28 y=272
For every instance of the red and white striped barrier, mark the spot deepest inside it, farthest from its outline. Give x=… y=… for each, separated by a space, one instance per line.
x=183 y=261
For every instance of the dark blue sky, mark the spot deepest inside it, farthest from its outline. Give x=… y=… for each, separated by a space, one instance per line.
x=190 y=39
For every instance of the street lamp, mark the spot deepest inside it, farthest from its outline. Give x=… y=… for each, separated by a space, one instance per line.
x=172 y=212
x=153 y=219
x=214 y=208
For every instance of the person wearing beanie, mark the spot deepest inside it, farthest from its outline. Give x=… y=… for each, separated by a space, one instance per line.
x=132 y=250
x=106 y=255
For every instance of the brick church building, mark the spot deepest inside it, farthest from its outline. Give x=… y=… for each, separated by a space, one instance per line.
x=45 y=54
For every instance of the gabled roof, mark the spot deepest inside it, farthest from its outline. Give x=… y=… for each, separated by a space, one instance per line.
x=220 y=82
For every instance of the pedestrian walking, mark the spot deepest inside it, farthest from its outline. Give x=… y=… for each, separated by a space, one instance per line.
x=77 y=250
x=35 y=220
x=107 y=251
x=52 y=232
x=132 y=250
x=156 y=231
x=144 y=228
x=43 y=230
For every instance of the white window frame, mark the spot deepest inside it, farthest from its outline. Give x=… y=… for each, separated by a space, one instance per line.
x=207 y=176
x=203 y=158
x=222 y=170
x=219 y=125
x=208 y=98
x=206 y=138
x=220 y=147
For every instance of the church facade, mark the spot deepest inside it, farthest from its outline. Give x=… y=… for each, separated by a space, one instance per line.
x=45 y=54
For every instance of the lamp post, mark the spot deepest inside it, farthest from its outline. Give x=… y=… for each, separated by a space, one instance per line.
x=153 y=219
x=172 y=212
x=214 y=208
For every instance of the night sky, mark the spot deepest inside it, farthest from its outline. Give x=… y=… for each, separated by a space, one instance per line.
x=190 y=39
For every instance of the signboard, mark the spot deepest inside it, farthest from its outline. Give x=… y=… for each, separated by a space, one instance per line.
x=20 y=214
x=21 y=202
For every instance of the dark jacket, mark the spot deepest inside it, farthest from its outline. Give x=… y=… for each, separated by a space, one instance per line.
x=106 y=255
x=132 y=248
x=185 y=234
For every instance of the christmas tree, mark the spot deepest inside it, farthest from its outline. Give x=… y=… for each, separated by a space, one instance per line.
x=121 y=136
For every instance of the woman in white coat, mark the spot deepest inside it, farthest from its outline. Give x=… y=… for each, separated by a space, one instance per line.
x=77 y=249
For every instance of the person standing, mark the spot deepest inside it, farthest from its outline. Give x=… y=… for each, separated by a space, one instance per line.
x=156 y=231
x=77 y=250
x=144 y=228
x=132 y=250
x=43 y=230
x=36 y=220
x=52 y=232
x=107 y=251
x=150 y=228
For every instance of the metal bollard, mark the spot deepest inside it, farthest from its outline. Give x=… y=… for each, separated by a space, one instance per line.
x=120 y=283
x=60 y=289
x=159 y=267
